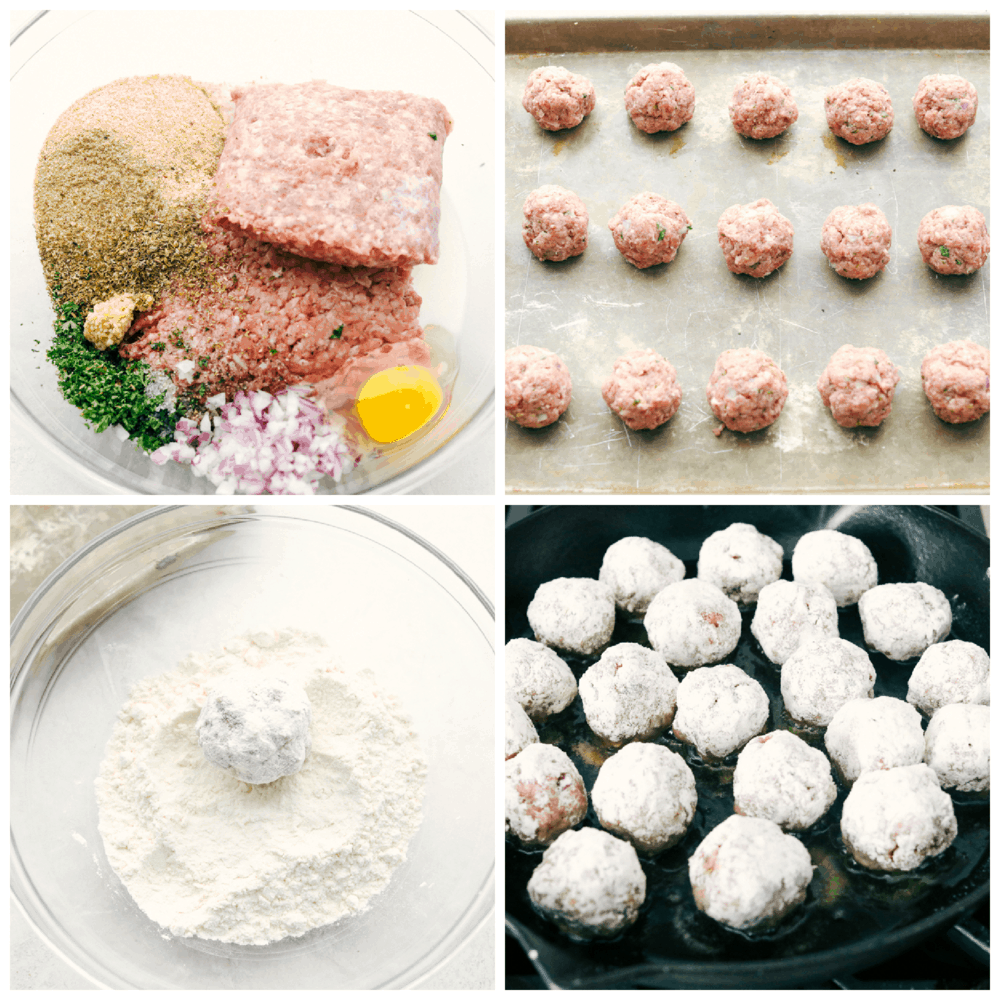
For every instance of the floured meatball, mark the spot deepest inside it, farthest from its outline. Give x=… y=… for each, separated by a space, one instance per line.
x=629 y=693
x=637 y=569
x=856 y=240
x=840 y=562
x=646 y=794
x=756 y=238
x=858 y=385
x=956 y=381
x=557 y=98
x=859 y=110
x=821 y=676
x=871 y=734
x=692 y=622
x=945 y=105
x=762 y=107
x=740 y=560
x=519 y=731
x=575 y=614
x=748 y=874
x=781 y=778
x=537 y=386
x=894 y=820
x=953 y=239
x=719 y=709
x=747 y=390
x=538 y=678
x=649 y=229
x=902 y=619
x=642 y=390
x=958 y=747
x=543 y=794
x=589 y=884
x=950 y=673
x=788 y=612
x=659 y=98
x=555 y=223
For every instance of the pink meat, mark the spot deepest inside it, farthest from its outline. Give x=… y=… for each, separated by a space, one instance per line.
x=762 y=107
x=555 y=223
x=659 y=98
x=756 y=239
x=859 y=111
x=956 y=381
x=557 y=98
x=537 y=386
x=856 y=240
x=649 y=229
x=945 y=105
x=746 y=390
x=858 y=385
x=953 y=239
x=642 y=390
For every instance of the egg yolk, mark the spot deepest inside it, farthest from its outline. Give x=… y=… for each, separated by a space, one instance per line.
x=396 y=402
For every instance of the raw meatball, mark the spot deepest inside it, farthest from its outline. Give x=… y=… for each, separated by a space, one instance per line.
x=821 y=676
x=945 y=105
x=894 y=820
x=746 y=390
x=871 y=734
x=540 y=681
x=858 y=385
x=628 y=694
x=756 y=238
x=781 y=778
x=646 y=794
x=519 y=731
x=950 y=673
x=840 y=562
x=589 y=884
x=762 y=107
x=719 y=709
x=856 y=240
x=555 y=223
x=692 y=622
x=637 y=569
x=649 y=229
x=953 y=239
x=859 y=111
x=537 y=386
x=575 y=614
x=958 y=747
x=788 y=612
x=748 y=874
x=902 y=619
x=557 y=98
x=543 y=794
x=642 y=390
x=956 y=381
x=659 y=98
x=739 y=560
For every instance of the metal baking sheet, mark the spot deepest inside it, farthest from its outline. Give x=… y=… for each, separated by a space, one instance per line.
x=595 y=307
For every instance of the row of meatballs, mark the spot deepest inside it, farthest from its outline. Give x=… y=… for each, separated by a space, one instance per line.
x=748 y=872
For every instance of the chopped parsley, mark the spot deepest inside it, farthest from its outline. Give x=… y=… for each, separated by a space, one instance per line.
x=337 y=333
x=660 y=232
x=433 y=135
x=945 y=252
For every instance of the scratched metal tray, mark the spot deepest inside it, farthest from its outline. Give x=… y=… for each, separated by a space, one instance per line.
x=593 y=308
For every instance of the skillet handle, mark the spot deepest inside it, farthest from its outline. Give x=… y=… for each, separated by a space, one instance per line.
x=973 y=938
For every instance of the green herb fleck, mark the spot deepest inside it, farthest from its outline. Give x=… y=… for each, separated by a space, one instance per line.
x=945 y=252
x=273 y=350
x=660 y=232
x=337 y=333
x=433 y=135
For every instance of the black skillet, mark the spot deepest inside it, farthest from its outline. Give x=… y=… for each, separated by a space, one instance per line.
x=852 y=918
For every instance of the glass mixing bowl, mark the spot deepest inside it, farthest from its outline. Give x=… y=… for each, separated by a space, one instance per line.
x=177 y=579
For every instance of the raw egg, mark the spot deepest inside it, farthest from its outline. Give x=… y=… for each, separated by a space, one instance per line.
x=397 y=402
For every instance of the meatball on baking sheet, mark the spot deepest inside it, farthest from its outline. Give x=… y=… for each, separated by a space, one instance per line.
x=846 y=906
x=596 y=307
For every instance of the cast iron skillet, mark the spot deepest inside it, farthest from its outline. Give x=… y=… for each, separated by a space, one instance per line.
x=852 y=918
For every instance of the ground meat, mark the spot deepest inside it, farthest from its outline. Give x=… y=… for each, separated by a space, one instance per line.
x=762 y=107
x=555 y=223
x=589 y=884
x=856 y=240
x=557 y=98
x=740 y=560
x=628 y=694
x=719 y=709
x=871 y=734
x=543 y=795
x=748 y=874
x=902 y=619
x=781 y=778
x=659 y=98
x=692 y=622
x=642 y=389
x=747 y=390
x=858 y=385
x=894 y=820
x=575 y=614
x=537 y=386
x=649 y=229
x=519 y=730
x=953 y=239
x=950 y=673
x=646 y=794
x=956 y=380
x=945 y=105
x=840 y=562
x=538 y=678
x=788 y=612
x=859 y=111
x=637 y=569
x=756 y=238
x=822 y=675
x=958 y=747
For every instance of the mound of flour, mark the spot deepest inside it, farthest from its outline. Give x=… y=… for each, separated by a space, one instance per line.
x=205 y=854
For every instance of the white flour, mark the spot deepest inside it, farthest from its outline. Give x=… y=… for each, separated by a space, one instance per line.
x=204 y=854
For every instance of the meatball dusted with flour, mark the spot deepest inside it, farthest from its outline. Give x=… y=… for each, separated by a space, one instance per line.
x=957 y=747
x=841 y=562
x=543 y=794
x=950 y=673
x=857 y=385
x=740 y=560
x=756 y=238
x=537 y=386
x=902 y=619
x=649 y=229
x=789 y=612
x=538 y=678
x=956 y=381
x=859 y=111
x=945 y=105
x=659 y=98
x=953 y=239
x=637 y=569
x=746 y=390
x=719 y=709
x=519 y=730
x=856 y=240
x=642 y=390
x=692 y=622
x=555 y=223
x=871 y=734
x=762 y=106
x=576 y=614
x=557 y=98
x=822 y=675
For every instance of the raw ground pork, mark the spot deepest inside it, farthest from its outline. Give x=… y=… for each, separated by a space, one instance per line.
x=555 y=223
x=858 y=385
x=756 y=238
x=859 y=111
x=953 y=239
x=956 y=381
x=659 y=98
x=642 y=390
x=856 y=240
x=945 y=105
x=557 y=98
x=746 y=390
x=537 y=386
x=762 y=107
x=649 y=229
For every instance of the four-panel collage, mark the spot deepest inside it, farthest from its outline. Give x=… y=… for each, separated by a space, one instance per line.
x=367 y=728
